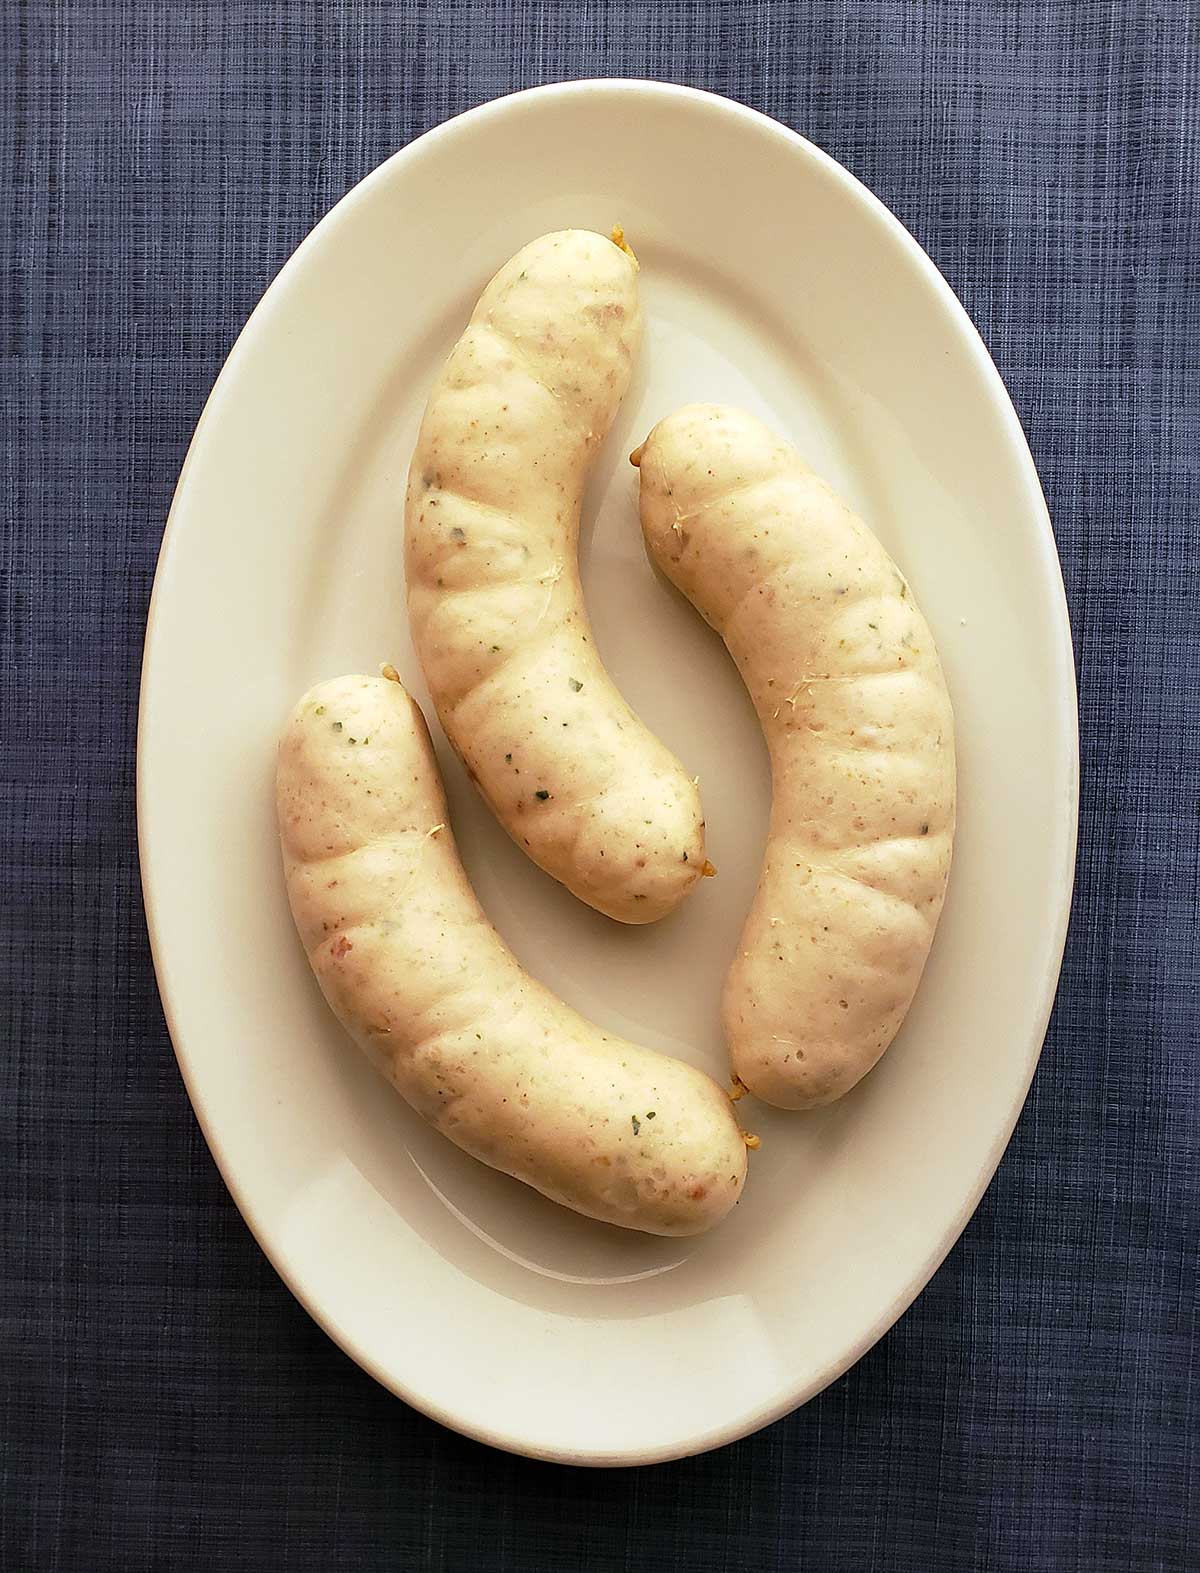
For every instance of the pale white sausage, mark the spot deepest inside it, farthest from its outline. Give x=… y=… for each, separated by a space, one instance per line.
x=494 y=597
x=845 y=677
x=413 y=969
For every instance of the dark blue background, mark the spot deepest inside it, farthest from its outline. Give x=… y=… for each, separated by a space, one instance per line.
x=165 y=1403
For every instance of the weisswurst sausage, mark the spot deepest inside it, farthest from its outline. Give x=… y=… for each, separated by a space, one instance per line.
x=413 y=969
x=843 y=672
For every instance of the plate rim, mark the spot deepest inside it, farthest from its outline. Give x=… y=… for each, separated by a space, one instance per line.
x=1068 y=736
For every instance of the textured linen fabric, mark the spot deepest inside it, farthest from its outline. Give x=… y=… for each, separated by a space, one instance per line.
x=164 y=1402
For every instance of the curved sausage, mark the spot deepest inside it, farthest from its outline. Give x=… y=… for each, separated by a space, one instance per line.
x=495 y=603
x=415 y=972
x=843 y=672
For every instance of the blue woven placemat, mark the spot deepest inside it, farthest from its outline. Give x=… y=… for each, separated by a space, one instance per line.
x=164 y=1403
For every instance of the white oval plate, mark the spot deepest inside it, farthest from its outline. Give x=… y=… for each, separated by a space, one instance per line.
x=772 y=279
